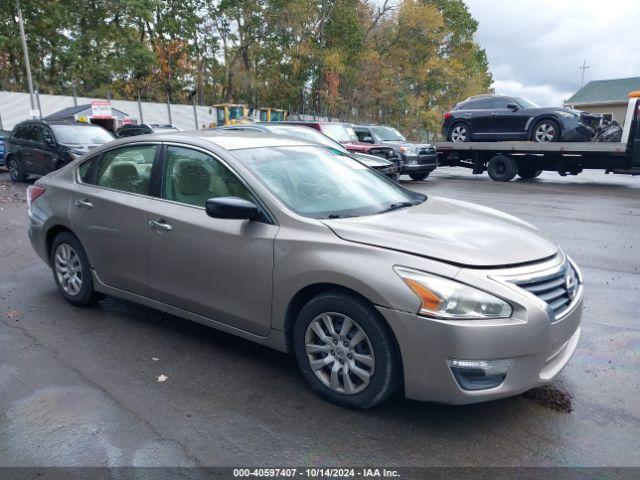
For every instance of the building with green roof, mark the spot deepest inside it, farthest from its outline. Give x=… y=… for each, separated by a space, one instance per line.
x=608 y=97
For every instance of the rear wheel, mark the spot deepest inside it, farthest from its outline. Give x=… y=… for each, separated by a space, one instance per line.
x=502 y=168
x=14 y=171
x=71 y=270
x=528 y=172
x=546 y=131
x=419 y=176
x=460 y=133
x=345 y=352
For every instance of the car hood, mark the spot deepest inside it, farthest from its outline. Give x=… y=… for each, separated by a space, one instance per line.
x=451 y=231
x=372 y=161
x=80 y=148
x=399 y=143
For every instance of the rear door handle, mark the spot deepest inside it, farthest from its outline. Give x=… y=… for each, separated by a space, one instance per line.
x=84 y=204
x=161 y=225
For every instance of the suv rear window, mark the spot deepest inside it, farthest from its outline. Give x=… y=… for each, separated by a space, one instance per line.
x=479 y=104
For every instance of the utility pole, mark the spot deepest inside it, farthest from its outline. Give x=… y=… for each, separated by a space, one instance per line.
x=26 y=59
x=583 y=68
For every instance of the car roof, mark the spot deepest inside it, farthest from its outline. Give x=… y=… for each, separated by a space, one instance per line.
x=227 y=139
x=55 y=122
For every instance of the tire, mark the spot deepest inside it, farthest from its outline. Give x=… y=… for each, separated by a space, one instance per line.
x=419 y=176
x=67 y=252
x=459 y=132
x=527 y=172
x=375 y=345
x=545 y=131
x=502 y=168
x=15 y=172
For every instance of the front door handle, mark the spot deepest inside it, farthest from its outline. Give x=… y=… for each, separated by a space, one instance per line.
x=84 y=204
x=161 y=225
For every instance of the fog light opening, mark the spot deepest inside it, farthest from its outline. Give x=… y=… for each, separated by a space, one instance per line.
x=479 y=374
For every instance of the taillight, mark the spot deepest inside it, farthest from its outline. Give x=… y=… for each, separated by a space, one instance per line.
x=447 y=116
x=33 y=192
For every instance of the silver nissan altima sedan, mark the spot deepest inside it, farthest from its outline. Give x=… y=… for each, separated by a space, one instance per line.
x=296 y=246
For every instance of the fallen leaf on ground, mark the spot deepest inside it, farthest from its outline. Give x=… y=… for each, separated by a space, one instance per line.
x=162 y=378
x=14 y=314
x=155 y=359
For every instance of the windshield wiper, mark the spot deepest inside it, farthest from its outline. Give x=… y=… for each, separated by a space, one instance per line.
x=396 y=206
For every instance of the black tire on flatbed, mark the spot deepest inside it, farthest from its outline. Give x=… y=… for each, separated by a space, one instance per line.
x=502 y=168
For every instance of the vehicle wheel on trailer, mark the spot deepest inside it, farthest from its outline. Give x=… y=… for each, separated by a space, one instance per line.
x=345 y=351
x=14 y=171
x=502 y=168
x=459 y=132
x=71 y=270
x=546 y=131
x=528 y=172
x=419 y=176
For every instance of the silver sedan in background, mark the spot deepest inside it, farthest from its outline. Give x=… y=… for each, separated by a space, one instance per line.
x=292 y=245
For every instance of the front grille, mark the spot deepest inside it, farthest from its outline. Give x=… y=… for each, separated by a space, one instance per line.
x=557 y=289
x=427 y=150
x=381 y=152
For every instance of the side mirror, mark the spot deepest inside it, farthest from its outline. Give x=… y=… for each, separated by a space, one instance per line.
x=231 y=208
x=513 y=107
x=367 y=139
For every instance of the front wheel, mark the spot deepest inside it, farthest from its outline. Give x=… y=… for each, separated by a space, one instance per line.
x=546 y=131
x=502 y=168
x=345 y=352
x=71 y=270
x=419 y=176
x=14 y=171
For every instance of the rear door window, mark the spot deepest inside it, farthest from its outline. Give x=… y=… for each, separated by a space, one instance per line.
x=127 y=169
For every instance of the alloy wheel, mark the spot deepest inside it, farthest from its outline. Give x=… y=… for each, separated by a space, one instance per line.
x=459 y=134
x=340 y=353
x=13 y=169
x=545 y=132
x=68 y=269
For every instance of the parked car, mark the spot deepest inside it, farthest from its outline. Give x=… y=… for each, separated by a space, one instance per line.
x=37 y=147
x=295 y=246
x=344 y=134
x=498 y=117
x=3 y=134
x=131 y=130
x=419 y=159
x=385 y=167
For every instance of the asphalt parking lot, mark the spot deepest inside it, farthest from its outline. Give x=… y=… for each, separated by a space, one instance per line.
x=80 y=386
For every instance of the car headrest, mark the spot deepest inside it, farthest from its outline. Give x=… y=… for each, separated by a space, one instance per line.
x=191 y=178
x=123 y=173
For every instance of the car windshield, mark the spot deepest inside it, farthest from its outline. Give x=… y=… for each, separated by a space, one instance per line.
x=523 y=102
x=306 y=133
x=81 y=134
x=339 y=132
x=319 y=182
x=388 y=134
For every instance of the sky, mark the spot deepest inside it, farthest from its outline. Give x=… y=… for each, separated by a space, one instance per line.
x=535 y=47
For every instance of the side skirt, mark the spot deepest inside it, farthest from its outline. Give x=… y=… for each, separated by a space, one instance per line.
x=275 y=339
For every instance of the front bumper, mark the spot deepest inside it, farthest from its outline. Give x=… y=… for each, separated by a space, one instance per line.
x=574 y=130
x=419 y=163
x=539 y=347
x=391 y=171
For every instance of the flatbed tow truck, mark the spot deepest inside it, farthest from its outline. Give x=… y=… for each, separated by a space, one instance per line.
x=504 y=160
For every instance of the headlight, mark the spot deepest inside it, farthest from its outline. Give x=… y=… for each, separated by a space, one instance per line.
x=566 y=114
x=446 y=299
x=409 y=150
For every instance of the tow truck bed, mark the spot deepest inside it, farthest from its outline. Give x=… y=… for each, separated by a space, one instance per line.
x=504 y=160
